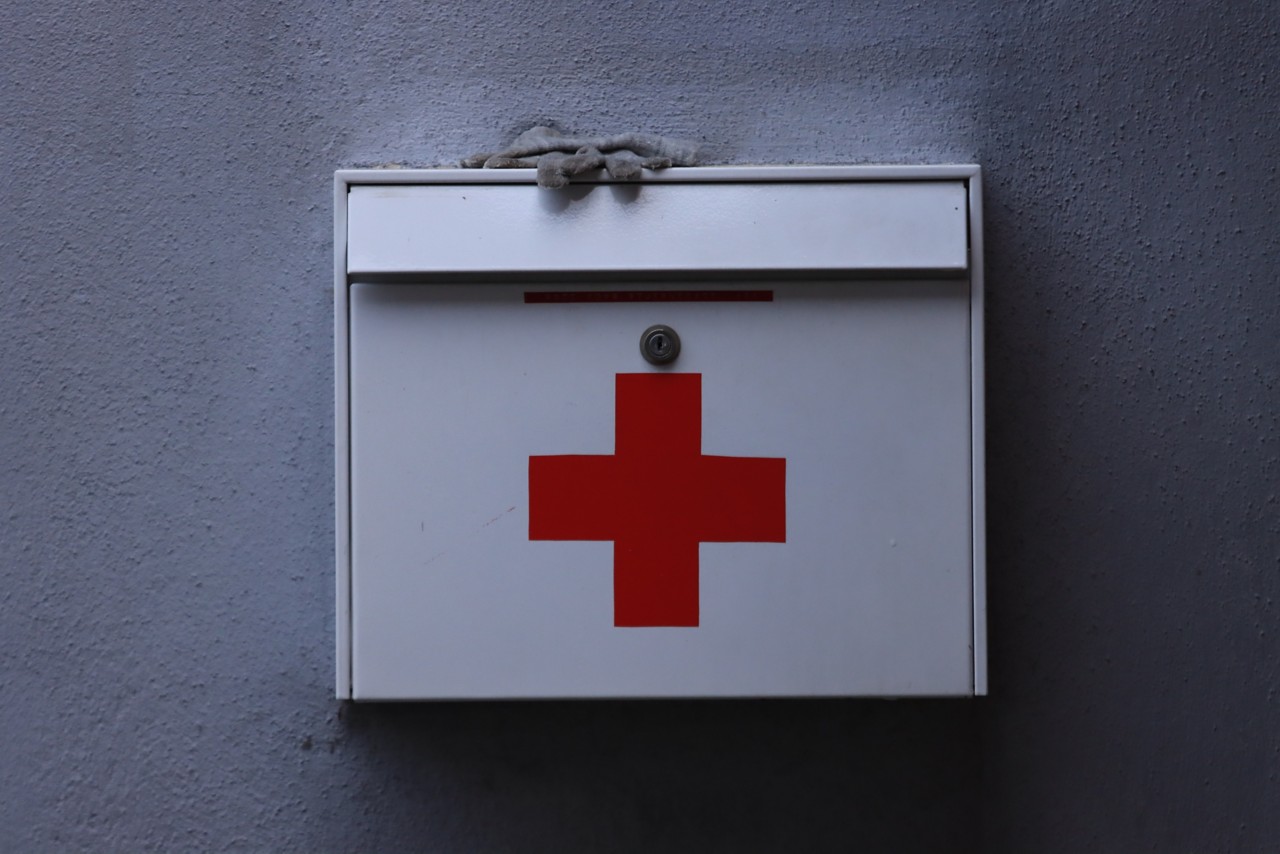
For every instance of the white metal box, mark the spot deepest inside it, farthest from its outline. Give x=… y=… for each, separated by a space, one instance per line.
x=526 y=507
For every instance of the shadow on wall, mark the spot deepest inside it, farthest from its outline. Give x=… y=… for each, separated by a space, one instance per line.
x=673 y=775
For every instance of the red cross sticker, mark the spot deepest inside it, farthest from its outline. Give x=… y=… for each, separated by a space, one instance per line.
x=656 y=498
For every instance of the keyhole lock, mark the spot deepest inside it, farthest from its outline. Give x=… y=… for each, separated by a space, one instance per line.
x=660 y=345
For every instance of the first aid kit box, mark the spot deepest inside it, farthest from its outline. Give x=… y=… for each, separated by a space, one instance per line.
x=713 y=433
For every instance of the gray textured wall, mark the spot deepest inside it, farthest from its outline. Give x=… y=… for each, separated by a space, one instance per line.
x=166 y=435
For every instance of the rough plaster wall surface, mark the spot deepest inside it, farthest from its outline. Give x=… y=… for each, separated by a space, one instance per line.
x=166 y=431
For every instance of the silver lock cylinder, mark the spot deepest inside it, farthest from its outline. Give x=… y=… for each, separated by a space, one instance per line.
x=660 y=345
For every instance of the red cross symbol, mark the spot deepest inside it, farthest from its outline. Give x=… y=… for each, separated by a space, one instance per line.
x=657 y=497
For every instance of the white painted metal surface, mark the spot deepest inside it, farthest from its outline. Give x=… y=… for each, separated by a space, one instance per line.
x=870 y=389
x=444 y=228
